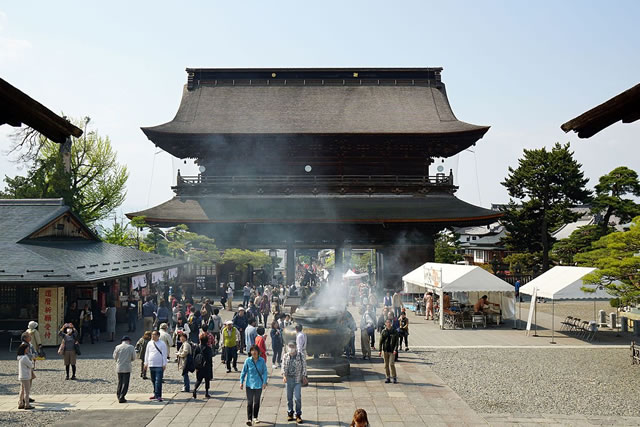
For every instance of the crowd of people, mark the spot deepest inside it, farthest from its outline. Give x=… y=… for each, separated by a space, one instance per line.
x=198 y=334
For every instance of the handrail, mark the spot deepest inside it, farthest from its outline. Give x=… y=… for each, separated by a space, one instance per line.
x=440 y=179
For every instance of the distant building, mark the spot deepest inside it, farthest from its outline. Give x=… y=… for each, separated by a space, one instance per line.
x=481 y=244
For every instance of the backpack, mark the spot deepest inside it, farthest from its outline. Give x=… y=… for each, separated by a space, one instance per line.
x=190 y=364
x=198 y=359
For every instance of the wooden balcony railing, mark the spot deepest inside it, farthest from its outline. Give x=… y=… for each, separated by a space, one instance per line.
x=314 y=184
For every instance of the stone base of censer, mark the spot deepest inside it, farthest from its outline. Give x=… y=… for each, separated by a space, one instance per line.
x=328 y=366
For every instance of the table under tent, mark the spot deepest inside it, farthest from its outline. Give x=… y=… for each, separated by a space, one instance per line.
x=465 y=284
x=565 y=283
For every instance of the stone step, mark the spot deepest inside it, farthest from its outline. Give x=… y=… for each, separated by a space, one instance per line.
x=323 y=378
x=321 y=371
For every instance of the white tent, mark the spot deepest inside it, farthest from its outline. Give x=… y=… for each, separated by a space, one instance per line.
x=351 y=275
x=470 y=279
x=456 y=278
x=563 y=282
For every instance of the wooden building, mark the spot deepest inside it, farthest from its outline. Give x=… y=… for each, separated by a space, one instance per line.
x=318 y=158
x=50 y=258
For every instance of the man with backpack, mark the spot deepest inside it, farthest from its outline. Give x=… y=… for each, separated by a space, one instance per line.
x=215 y=326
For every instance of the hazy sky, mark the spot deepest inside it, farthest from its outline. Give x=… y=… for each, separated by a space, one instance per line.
x=523 y=68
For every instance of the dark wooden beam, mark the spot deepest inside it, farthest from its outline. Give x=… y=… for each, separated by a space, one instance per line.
x=19 y=108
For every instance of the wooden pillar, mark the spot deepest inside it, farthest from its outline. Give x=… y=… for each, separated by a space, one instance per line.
x=291 y=264
x=339 y=265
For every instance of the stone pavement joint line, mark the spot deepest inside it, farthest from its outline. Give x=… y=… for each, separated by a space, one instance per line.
x=72 y=402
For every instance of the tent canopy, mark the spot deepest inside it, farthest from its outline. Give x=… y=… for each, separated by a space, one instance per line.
x=455 y=278
x=563 y=282
x=351 y=275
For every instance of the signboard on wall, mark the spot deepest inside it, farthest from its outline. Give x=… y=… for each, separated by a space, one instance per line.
x=432 y=277
x=50 y=314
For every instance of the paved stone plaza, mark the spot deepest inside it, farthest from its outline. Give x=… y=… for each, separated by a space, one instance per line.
x=420 y=398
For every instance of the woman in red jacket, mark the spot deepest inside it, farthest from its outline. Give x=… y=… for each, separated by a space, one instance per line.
x=261 y=342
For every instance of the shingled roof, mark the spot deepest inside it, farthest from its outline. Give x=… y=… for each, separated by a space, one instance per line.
x=62 y=260
x=313 y=102
x=431 y=208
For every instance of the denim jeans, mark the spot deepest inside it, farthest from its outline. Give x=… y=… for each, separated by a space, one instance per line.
x=156 y=380
x=133 y=318
x=185 y=378
x=277 y=355
x=245 y=302
x=294 y=388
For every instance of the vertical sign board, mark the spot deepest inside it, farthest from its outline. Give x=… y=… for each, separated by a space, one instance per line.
x=50 y=314
x=532 y=309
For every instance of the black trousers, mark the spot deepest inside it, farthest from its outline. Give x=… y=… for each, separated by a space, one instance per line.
x=123 y=384
x=403 y=337
x=206 y=384
x=231 y=357
x=253 y=402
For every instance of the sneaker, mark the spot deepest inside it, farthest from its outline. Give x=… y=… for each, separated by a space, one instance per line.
x=255 y=421
x=235 y=369
x=122 y=400
x=66 y=378
x=29 y=407
x=387 y=381
x=31 y=400
x=73 y=377
x=274 y=366
x=159 y=399
x=299 y=419
x=228 y=370
x=152 y=397
x=406 y=349
x=249 y=423
x=395 y=380
x=20 y=406
x=290 y=417
x=195 y=394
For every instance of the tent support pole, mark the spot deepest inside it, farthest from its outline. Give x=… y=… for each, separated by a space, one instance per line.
x=553 y=321
x=535 y=320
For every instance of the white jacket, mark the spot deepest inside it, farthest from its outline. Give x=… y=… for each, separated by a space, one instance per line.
x=25 y=366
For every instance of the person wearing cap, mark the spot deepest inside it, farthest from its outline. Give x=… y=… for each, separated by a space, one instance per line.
x=36 y=342
x=230 y=340
x=123 y=354
x=294 y=375
x=165 y=337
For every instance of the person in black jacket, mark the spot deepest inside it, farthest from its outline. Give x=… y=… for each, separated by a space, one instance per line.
x=204 y=371
x=388 y=346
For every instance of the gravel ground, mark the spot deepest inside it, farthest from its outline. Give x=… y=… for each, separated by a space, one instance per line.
x=580 y=309
x=589 y=381
x=42 y=418
x=95 y=376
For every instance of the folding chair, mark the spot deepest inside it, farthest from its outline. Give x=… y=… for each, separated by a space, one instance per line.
x=566 y=323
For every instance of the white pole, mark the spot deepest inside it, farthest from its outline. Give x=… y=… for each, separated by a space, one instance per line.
x=553 y=321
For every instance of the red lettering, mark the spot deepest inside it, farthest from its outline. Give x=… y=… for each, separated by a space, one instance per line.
x=47 y=301
x=47 y=335
x=47 y=293
x=47 y=309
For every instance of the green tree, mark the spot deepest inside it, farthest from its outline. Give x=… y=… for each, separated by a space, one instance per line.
x=242 y=258
x=547 y=184
x=609 y=198
x=120 y=234
x=525 y=262
x=361 y=262
x=579 y=241
x=618 y=265
x=447 y=247
x=95 y=186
